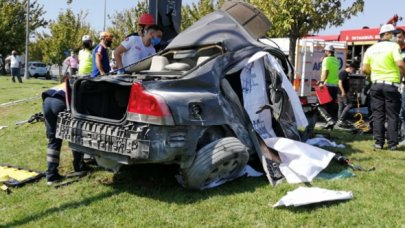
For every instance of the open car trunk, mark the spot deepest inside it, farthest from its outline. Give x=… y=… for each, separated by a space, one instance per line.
x=101 y=99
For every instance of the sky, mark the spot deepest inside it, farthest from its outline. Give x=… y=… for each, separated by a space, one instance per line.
x=376 y=12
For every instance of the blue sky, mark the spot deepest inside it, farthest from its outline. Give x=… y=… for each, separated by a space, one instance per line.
x=376 y=12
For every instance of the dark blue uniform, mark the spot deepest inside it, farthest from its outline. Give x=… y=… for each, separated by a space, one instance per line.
x=53 y=104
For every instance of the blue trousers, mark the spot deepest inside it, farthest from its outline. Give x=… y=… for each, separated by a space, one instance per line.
x=15 y=72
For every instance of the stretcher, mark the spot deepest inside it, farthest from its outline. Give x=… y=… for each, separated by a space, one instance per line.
x=13 y=176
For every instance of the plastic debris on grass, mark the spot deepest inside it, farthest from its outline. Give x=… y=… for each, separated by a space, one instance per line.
x=247 y=171
x=323 y=142
x=346 y=173
x=300 y=162
x=310 y=195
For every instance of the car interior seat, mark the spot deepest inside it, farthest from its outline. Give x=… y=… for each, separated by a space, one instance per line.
x=201 y=59
x=158 y=63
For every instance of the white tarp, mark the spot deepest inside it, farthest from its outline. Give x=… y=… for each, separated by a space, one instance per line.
x=300 y=162
x=254 y=90
x=305 y=195
x=255 y=97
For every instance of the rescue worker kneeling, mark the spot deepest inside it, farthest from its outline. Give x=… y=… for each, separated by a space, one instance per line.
x=53 y=104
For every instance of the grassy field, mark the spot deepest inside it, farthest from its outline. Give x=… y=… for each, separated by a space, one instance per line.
x=148 y=196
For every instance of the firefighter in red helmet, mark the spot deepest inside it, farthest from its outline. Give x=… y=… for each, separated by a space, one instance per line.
x=140 y=45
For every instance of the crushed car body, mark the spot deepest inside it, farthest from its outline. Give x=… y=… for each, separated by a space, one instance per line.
x=183 y=105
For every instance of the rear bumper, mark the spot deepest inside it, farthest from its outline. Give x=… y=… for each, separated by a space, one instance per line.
x=123 y=140
x=131 y=142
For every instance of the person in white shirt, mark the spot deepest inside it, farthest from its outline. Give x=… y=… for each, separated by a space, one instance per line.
x=135 y=48
x=15 y=63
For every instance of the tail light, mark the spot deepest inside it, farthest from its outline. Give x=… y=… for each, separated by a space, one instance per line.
x=146 y=107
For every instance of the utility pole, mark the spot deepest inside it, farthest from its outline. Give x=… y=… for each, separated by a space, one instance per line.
x=105 y=10
x=27 y=40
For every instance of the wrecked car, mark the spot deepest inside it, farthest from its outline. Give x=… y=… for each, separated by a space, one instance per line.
x=183 y=105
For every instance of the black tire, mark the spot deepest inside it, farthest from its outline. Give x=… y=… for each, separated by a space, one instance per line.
x=219 y=160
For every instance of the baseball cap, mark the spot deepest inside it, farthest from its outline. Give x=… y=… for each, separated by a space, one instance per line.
x=387 y=28
x=86 y=38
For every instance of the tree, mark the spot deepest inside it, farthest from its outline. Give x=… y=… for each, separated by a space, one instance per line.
x=296 y=19
x=13 y=21
x=193 y=13
x=65 y=35
x=125 y=22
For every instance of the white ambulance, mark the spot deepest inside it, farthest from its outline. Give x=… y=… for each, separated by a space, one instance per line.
x=308 y=64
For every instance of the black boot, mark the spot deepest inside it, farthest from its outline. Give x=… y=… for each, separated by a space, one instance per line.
x=52 y=174
x=78 y=162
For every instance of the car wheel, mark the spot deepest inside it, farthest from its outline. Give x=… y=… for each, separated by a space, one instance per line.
x=218 y=161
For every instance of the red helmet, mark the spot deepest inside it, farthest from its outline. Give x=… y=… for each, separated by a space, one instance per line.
x=146 y=19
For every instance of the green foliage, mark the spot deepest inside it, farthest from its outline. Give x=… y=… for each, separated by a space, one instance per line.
x=65 y=35
x=13 y=22
x=296 y=19
x=125 y=22
x=194 y=12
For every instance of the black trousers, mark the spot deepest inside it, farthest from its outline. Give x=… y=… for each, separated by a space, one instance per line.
x=385 y=104
x=329 y=111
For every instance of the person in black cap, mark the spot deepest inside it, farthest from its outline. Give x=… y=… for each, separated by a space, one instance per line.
x=344 y=98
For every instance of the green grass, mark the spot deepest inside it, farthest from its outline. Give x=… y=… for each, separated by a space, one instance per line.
x=148 y=196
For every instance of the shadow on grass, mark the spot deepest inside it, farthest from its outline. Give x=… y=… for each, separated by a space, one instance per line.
x=150 y=181
x=71 y=205
x=158 y=182
x=312 y=207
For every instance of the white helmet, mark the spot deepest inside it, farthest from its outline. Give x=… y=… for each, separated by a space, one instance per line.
x=329 y=47
x=86 y=38
x=387 y=28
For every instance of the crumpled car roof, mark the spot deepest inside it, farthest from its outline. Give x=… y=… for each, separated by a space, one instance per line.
x=219 y=27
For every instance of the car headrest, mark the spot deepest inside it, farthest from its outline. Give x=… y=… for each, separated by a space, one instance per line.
x=158 y=63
